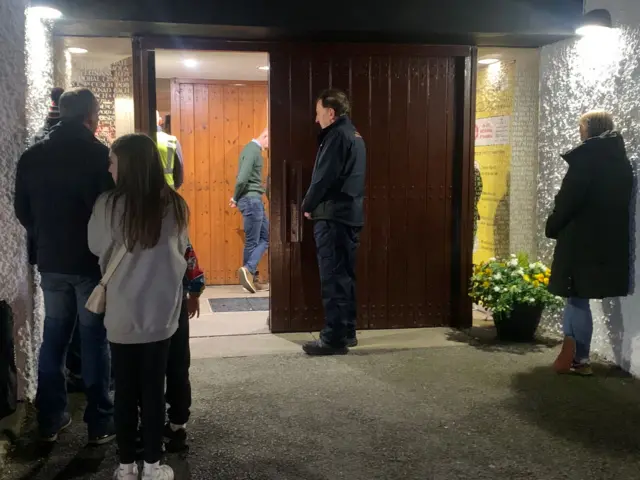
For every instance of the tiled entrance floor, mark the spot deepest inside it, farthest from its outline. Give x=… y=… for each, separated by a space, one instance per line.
x=214 y=324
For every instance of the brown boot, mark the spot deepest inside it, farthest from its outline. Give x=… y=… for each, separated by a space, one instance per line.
x=565 y=358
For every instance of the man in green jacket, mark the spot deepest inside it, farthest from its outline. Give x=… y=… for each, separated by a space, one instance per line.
x=248 y=198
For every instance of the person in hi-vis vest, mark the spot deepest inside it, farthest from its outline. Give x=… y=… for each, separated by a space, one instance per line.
x=171 y=156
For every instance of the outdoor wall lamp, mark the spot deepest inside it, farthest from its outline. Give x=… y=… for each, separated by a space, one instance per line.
x=45 y=13
x=594 y=21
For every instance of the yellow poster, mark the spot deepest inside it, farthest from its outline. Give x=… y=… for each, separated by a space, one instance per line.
x=494 y=108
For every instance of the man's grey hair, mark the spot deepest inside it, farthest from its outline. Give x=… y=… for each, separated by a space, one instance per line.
x=78 y=104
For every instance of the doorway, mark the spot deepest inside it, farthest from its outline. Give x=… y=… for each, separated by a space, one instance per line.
x=215 y=103
x=414 y=105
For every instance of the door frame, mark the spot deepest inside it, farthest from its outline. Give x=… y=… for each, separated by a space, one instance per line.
x=462 y=198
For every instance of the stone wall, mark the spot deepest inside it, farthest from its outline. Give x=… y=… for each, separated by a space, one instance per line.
x=577 y=75
x=26 y=73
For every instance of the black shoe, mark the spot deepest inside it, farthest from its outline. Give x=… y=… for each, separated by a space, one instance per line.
x=175 y=440
x=352 y=342
x=51 y=436
x=318 y=347
x=104 y=437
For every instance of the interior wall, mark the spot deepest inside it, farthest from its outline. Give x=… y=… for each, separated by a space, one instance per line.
x=112 y=84
x=601 y=71
x=213 y=121
x=163 y=96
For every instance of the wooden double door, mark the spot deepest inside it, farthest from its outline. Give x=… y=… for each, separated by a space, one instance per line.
x=414 y=107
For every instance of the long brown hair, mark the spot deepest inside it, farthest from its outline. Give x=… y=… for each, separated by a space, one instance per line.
x=142 y=188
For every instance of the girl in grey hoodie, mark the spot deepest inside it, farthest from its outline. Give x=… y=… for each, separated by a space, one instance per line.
x=144 y=295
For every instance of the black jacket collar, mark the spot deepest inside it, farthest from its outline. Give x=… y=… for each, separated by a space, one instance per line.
x=71 y=129
x=340 y=122
x=609 y=144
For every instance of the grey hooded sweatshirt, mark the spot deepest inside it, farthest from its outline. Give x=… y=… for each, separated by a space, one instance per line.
x=144 y=294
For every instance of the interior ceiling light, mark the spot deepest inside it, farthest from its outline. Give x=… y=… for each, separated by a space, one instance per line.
x=190 y=62
x=488 y=61
x=45 y=13
x=77 y=50
x=264 y=68
x=594 y=21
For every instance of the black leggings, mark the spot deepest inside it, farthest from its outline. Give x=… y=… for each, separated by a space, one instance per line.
x=140 y=371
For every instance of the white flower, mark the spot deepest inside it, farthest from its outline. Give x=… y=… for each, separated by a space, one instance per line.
x=513 y=255
x=520 y=271
x=496 y=289
x=513 y=262
x=492 y=259
x=497 y=276
x=532 y=266
x=531 y=300
x=515 y=273
x=489 y=297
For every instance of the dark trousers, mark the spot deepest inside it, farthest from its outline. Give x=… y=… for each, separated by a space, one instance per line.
x=178 y=385
x=64 y=299
x=140 y=371
x=337 y=246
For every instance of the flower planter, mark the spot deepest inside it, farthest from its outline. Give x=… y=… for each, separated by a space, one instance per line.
x=520 y=324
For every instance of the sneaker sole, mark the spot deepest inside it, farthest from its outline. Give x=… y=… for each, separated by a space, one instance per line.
x=244 y=280
x=54 y=438
x=103 y=441
x=326 y=353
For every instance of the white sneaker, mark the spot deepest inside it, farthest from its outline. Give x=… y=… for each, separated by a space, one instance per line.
x=157 y=472
x=126 y=472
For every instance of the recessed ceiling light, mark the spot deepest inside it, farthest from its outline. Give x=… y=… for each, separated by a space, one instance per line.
x=77 y=50
x=45 y=13
x=264 y=68
x=488 y=61
x=190 y=63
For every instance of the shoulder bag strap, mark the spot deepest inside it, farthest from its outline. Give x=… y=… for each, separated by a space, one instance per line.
x=113 y=265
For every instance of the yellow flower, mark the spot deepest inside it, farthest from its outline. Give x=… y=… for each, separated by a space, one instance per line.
x=485 y=284
x=488 y=271
x=527 y=278
x=547 y=272
x=536 y=283
x=546 y=281
x=540 y=277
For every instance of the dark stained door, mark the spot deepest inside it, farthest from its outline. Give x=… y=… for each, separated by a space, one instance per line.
x=413 y=107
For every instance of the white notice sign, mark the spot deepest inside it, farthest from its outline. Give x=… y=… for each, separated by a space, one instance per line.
x=492 y=131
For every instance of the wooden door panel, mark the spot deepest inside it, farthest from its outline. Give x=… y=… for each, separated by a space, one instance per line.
x=213 y=122
x=405 y=106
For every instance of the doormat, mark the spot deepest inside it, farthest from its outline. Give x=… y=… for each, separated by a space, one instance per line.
x=220 y=305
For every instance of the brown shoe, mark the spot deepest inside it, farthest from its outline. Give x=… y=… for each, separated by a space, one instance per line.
x=246 y=279
x=564 y=362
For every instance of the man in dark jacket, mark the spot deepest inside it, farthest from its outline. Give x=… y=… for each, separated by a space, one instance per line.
x=590 y=222
x=57 y=183
x=335 y=203
x=53 y=116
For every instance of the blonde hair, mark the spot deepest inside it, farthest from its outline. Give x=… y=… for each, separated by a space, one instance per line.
x=595 y=123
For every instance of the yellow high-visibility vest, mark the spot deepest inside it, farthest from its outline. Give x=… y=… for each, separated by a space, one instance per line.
x=167 y=146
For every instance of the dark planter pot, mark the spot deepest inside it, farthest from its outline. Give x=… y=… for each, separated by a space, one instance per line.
x=520 y=324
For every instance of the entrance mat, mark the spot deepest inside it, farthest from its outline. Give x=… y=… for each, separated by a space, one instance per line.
x=219 y=305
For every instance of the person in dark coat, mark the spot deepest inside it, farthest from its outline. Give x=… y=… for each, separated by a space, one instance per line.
x=57 y=183
x=53 y=116
x=335 y=203
x=590 y=222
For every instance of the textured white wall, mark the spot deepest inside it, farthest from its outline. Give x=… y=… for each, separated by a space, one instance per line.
x=524 y=153
x=576 y=76
x=25 y=73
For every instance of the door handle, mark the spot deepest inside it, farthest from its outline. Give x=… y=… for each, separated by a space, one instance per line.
x=295 y=205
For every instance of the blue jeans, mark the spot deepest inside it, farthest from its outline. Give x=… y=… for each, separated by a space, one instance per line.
x=64 y=295
x=256 y=231
x=578 y=324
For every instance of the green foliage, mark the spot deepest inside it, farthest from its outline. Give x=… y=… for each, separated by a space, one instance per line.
x=500 y=284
